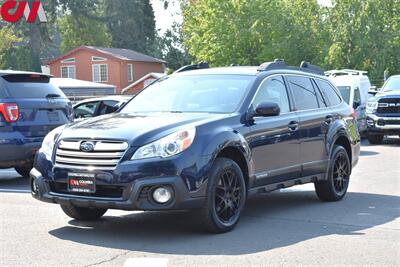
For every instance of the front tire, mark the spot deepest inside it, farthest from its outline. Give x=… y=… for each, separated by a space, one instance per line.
x=83 y=214
x=375 y=139
x=226 y=196
x=335 y=188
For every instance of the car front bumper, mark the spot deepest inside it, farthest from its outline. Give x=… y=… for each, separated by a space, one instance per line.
x=383 y=125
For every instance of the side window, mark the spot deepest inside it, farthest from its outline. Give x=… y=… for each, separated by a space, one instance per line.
x=357 y=95
x=329 y=93
x=86 y=110
x=304 y=93
x=107 y=107
x=273 y=90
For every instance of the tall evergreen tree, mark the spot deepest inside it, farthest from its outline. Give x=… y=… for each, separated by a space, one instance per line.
x=131 y=24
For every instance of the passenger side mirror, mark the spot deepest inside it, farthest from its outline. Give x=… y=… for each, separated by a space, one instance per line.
x=373 y=90
x=266 y=109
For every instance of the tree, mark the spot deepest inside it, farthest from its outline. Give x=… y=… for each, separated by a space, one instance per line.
x=365 y=35
x=251 y=32
x=131 y=24
x=82 y=30
x=8 y=39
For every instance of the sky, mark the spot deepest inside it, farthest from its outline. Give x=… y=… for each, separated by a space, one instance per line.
x=165 y=18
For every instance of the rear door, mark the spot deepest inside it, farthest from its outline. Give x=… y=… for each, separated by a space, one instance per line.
x=274 y=141
x=42 y=106
x=314 y=118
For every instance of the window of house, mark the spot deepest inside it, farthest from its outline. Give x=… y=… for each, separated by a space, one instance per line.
x=100 y=73
x=130 y=72
x=68 y=72
x=98 y=59
x=68 y=60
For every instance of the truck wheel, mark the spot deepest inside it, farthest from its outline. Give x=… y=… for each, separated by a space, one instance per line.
x=226 y=196
x=24 y=170
x=83 y=214
x=335 y=187
x=375 y=139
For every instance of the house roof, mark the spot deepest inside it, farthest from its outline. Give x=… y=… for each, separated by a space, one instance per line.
x=118 y=53
x=150 y=75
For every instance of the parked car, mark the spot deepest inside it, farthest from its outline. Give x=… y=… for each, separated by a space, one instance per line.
x=383 y=111
x=353 y=86
x=30 y=108
x=206 y=139
x=94 y=107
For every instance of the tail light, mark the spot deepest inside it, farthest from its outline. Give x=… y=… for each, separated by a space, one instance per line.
x=353 y=113
x=10 y=111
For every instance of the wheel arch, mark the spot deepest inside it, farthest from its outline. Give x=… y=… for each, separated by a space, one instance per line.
x=343 y=141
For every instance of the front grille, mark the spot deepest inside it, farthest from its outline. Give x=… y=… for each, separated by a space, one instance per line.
x=105 y=155
x=108 y=191
x=389 y=105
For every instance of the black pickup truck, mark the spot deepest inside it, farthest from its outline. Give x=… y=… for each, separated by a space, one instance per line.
x=383 y=111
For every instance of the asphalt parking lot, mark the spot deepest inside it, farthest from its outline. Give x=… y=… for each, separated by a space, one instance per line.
x=289 y=228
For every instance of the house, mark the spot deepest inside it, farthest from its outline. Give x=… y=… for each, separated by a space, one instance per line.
x=114 y=66
x=143 y=82
x=78 y=89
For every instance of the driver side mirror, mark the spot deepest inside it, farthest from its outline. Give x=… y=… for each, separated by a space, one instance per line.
x=267 y=109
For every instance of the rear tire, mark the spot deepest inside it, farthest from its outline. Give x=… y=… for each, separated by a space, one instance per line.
x=335 y=188
x=83 y=214
x=226 y=196
x=24 y=170
x=375 y=139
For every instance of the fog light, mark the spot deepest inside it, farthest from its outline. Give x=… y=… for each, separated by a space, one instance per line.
x=162 y=195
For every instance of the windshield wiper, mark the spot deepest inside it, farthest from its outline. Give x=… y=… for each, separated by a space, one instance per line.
x=52 y=95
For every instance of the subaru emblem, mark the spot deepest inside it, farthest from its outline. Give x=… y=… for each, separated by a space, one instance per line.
x=87 y=146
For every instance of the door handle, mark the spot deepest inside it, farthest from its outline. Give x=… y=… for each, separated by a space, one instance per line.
x=293 y=126
x=329 y=119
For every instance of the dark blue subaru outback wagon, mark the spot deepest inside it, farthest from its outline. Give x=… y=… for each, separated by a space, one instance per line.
x=206 y=139
x=30 y=107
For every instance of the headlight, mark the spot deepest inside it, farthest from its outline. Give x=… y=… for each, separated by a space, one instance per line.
x=49 y=141
x=167 y=146
x=372 y=106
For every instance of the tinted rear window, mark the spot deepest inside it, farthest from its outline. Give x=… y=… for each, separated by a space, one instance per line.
x=345 y=92
x=2 y=90
x=329 y=93
x=31 y=86
x=303 y=92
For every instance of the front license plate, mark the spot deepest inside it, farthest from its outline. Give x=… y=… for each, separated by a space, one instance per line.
x=81 y=182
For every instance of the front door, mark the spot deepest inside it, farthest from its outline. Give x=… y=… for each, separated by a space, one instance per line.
x=274 y=141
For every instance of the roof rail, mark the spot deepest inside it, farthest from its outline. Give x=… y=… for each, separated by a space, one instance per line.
x=200 y=65
x=345 y=72
x=273 y=65
x=306 y=66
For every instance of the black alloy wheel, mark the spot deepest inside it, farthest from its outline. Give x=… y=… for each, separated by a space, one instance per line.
x=228 y=197
x=334 y=188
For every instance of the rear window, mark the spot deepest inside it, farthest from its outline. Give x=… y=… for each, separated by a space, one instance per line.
x=345 y=92
x=2 y=90
x=329 y=93
x=31 y=86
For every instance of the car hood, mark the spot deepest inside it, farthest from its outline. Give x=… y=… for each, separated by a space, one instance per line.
x=129 y=127
x=389 y=94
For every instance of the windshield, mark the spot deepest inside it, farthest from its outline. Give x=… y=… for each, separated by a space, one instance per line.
x=200 y=93
x=345 y=92
x=392 y=84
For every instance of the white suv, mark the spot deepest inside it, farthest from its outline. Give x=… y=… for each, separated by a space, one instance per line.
x=353 y=86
